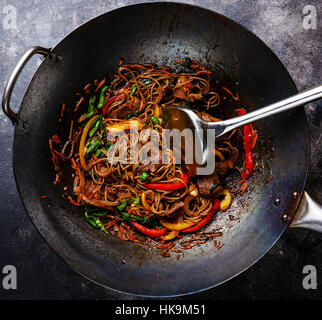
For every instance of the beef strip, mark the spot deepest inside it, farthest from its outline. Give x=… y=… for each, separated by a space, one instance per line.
x=208 y=118
x=111 y=195
x=195 y=96
x=124 y=109
x=153 y=164
x=97 y=203
x=175 y=207
x=92 y=197
x=205 y=185
x=223 y=167
x=91 y=190
x=182 y=90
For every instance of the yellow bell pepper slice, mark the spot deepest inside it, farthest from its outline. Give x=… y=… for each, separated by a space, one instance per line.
x=171 y=235
x=157 y=112
x=82 y=142
x=123 y=126
x=144 y=202
x=225 y=203
x=180 y=225
x=220 y=155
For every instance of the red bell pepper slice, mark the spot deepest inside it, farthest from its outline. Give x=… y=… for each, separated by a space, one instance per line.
x=169 y=186
x=154 y=233
x=108 y=103
x=248 y=139
x=205 y=220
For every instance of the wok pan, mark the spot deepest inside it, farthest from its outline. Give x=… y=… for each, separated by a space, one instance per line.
x=162 y=33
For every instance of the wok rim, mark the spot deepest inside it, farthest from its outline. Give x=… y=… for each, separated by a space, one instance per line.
x=50 y=243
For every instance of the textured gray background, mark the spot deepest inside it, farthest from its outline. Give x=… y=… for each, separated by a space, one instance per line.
x=41 y=274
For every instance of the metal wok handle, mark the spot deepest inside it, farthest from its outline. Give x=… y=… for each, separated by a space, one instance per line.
x=308 y=214
x=13 y=79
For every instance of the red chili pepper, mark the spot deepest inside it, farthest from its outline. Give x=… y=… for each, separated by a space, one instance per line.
x=169 y=186
x=154 y=233
x=205 y=220
x=249 y=158
x=108 y=103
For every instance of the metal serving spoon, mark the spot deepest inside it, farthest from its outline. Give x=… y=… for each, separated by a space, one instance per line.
x=183 y=118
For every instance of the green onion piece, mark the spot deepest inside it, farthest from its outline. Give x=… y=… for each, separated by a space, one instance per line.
x=95 y=127
x=88 y=143
x=123 y=205
x=102 y=98
x=99 y=153
x=214 y=186
x=109 y=149
x=129 y=217
x=130 y=115
x=133 y=91
x=143 y=176
x=95 y=145
x=155 y=119
x=100 y=224
x=133 y=113
x=91 y=221
x=94 y=211
x=146 y=81
x=125 y=216
x=91 y=107
x=136 y=200
x=100 y=214
x=90 y=209
x=186 y=104
x=103 y=135
x=89 y=114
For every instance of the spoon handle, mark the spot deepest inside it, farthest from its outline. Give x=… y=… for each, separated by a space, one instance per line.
x=298 y=99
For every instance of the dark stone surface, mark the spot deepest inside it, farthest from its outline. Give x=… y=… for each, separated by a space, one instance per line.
x=41 y=274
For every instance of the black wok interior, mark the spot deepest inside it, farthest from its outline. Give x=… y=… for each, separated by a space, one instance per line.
x=162 y=33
